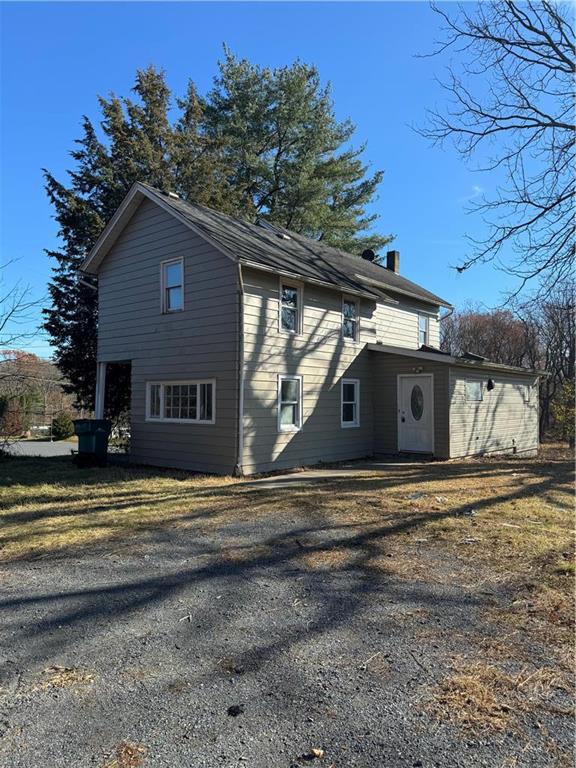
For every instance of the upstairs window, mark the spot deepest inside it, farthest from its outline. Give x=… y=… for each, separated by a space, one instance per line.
x=289 y=403
x=172 y=285
x=473 y=391
x=350 y=403
x=423 y=328
x=186 y=401
x=290 y=308
x=350 y=319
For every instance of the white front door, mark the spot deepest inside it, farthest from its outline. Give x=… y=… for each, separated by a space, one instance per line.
x=416 y=413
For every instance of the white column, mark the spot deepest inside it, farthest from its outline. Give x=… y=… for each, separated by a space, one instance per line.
x=100 y=390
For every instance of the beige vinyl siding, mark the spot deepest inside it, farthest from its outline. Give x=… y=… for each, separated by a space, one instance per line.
x=501 y=422
x=386 y=370
x=322 y=357
x=199 y=342
x=397 y=324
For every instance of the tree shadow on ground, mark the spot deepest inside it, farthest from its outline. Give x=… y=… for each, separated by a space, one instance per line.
x=258 y=531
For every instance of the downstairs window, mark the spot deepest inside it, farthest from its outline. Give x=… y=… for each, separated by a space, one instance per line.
x=182 y=401
x=350 y=413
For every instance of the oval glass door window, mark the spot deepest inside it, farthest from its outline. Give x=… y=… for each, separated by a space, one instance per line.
x=417 y=402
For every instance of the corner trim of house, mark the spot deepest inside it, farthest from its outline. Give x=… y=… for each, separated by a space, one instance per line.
x=238 y=470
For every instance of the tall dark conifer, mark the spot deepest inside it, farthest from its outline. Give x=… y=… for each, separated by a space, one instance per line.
x=262 y=143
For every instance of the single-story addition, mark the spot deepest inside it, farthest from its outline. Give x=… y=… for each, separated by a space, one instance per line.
x=253 y=348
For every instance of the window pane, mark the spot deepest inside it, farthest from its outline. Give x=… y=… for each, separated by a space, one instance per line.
x=174 y=298
x=422 y=322
x=170 y=406
x=348 y=412
x=290 y=390
x=473 y=390
x=288 y=319
x=350 y=309
x=289 y=296
x=349 y=329
x=155 y=400
x=173 y=275
x=348 y=393
x=289 y=415
x=205 y=402
x=417 y=402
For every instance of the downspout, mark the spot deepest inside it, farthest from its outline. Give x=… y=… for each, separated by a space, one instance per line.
x=238 y=471
x=443 y=317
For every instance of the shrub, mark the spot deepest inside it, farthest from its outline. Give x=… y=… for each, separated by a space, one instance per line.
x=62 y=426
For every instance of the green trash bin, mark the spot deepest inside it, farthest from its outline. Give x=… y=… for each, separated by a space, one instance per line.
x=93 y=437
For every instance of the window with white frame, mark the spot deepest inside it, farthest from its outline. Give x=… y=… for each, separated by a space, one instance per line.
x=350 y=319
x=290 y=308
x=350 y=395
x=172 y=285
x=186 y=401
x=473 y=391
x=289 y=403
x=423 y=330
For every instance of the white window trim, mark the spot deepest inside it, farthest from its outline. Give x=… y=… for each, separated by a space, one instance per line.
x=356 y=423
x=299 y=309
x=161 y=419
x=475 y=400
x=289 y=427
x=426 y=318
x=163 y=307
x=356 y=300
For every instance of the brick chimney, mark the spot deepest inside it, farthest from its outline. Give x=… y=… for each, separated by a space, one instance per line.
x=393 y=261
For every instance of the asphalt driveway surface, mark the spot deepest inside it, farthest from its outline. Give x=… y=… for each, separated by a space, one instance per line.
x=170 y=652
x=44 y=448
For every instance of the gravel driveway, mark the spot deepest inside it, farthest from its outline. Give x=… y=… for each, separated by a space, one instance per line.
x=171 y=652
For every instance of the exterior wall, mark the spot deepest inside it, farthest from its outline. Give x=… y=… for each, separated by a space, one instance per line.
x=322 y=357
x=501 y=422
x=397 y=324
x=385 y=387
x=199 y=342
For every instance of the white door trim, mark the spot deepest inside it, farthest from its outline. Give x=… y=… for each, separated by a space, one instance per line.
x=399 y=378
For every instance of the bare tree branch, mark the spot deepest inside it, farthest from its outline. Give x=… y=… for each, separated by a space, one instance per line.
x=513 y=94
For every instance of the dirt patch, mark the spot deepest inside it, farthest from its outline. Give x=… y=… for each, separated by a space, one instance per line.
x=127 y=755
x=63 y=677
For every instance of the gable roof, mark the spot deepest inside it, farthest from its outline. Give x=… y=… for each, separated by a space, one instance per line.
x=272 y=249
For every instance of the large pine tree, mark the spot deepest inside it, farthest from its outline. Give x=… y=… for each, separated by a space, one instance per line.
x=263 y=143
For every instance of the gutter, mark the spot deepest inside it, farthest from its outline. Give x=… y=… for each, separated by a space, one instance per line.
x=238 y=471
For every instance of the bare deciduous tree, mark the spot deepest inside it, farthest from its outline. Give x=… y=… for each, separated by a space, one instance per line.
x=16 y=308
x=537 y=335
x=512 y=100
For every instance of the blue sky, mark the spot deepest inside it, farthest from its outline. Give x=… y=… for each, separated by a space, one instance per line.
x=56 y=58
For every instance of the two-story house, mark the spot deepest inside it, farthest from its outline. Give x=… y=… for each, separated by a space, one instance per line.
x=253 y=348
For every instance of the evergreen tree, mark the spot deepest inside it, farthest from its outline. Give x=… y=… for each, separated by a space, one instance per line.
x=262 y=143
x=62 y=426
x=291 y=158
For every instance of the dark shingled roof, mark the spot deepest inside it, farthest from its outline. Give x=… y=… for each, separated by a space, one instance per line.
x=287 y=252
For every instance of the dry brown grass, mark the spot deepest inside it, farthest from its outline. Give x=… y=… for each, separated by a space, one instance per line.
x=480 y=696
x=127 y=755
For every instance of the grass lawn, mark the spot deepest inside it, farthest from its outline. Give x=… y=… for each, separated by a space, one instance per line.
x=500 y=527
